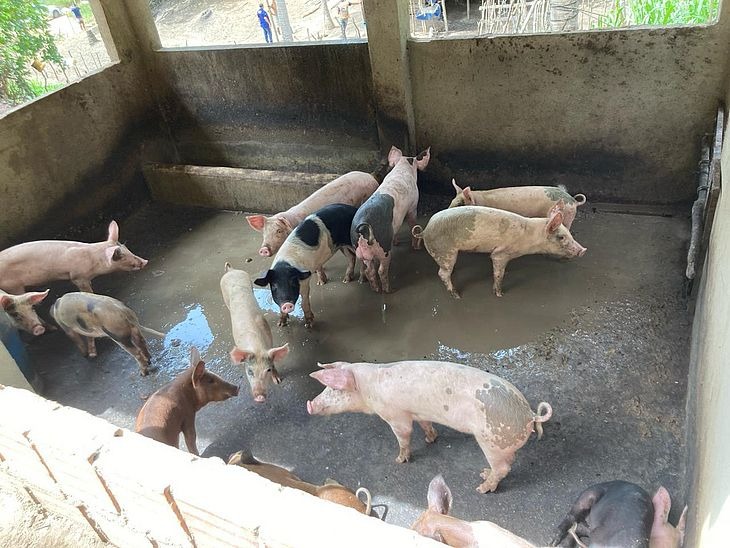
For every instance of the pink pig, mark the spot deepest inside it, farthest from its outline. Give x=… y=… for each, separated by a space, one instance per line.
x=464 y=398
x=20 y=310
x=35 y=263
x=352 y=188
x=528 y=201
x=504 y=235
x=378 y=220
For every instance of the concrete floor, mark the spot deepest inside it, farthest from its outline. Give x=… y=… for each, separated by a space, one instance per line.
x=603 y=338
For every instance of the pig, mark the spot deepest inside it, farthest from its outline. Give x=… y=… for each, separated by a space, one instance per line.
x=20 y=310
x=35 y=263
x=463 y=398
x=305 y=250
x=528 y=201
x=620 y=513
x=504 y=235
x=172 y=408
x=435 y=523
x=352 y=188
x=331 y=490
x=86 y=316
x=378 y=220
x=251 y=333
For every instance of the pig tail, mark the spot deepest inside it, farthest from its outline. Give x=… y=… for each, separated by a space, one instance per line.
x=541 y=417
x=580 y=199
x=417 y=232
x=368 y=499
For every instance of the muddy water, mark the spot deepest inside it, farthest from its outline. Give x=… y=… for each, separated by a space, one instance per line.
x=602 y=338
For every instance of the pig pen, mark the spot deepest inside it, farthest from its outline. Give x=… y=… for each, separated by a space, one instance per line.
x=603 y=338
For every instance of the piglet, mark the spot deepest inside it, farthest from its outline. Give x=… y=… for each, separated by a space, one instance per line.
x=504 y=235
x=305 y=250
x=463 y=398
x=36 y=263
x=331 y=490
x=20 y=310
x=528 y=201
x=352 y=188
x=378 y=220
x=620 y=513
x=436 y=523
x=251 y=333
x=86 y=316
x=172 y=408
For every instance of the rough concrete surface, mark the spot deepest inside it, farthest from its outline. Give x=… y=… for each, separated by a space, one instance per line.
x=603 y=338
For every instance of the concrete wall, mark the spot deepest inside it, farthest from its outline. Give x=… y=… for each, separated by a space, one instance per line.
x=76 y=152
x=133 y=492
x=709 y=387
x=617 y=115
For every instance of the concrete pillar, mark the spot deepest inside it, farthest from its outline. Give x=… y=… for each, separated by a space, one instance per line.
x=388 y=32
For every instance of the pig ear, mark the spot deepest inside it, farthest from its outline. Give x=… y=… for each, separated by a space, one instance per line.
x=256 y=222
x=198 y=373
x=263 y=279
x=682 y=525
x=113 y=232
x=338 y=379
x=439 y=496
x=238 y=355
x=423 y=158
x=468 y=195
x=35 y=298
x=194 y=356
x=662 y=505
x=227 y=267
x=332 y=365
x=456 y=187
x=278 y=354
x=394 y=155
x=554 y=222
x=304 y=274
x=5 y=301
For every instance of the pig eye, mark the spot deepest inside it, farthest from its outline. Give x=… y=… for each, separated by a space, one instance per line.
x=209 y=380
x=268 y=370
x=561 y=237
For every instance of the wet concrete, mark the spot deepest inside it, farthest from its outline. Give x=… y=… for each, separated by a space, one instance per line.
x=603 y=338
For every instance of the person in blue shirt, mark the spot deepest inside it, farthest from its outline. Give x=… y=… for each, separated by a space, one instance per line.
x=77 y=12
x=265 y=23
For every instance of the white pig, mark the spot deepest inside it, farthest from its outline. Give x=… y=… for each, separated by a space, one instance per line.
x=378 y=220
x=35 y=263
x=463 y=398
x=504 y=235
x=251 y=333
x=20 y=310
x=528 y=201
x=436 y=523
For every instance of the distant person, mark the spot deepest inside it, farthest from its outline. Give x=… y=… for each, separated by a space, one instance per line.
x=343 y=13
x=80 y=18
x=265 y=23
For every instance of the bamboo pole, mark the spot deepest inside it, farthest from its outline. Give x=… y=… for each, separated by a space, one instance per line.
x=698 y=210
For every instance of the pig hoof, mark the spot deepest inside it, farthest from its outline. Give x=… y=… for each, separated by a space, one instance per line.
x=91 y=355
x=484 y=474
x=144 y=372
x=282 y=322
x=486 y=488
x=403 y=458
x=498 y=292
x=430 y=438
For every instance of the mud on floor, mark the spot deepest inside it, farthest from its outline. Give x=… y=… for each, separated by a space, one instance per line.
x=603 y=338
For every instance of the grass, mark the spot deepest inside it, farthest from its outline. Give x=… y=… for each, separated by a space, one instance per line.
x=39 y=89
x=659 y=13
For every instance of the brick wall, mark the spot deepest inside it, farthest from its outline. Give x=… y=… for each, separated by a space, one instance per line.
x=132 y=491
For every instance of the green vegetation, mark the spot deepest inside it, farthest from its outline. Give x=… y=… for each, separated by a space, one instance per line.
x=24 y=37
x=659 y=13
x=86 y=12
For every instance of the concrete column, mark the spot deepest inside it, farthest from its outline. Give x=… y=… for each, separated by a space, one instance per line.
x=388 y=31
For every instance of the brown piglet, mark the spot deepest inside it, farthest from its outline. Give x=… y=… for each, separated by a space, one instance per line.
x=172 y=408
x=331 y=490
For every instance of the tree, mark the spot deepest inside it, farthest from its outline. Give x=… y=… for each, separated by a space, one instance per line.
x=24 y=37
x=282 y=15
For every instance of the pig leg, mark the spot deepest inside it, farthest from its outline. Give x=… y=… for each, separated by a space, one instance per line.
x=383 y=270
x=499 y=264
x=402 y=426
x=283 y=319
x=140 y=344
x=91 y=343
x=77 y=339
x=371 y=274
x=129 y=346
x=83 y=285
x=321 y=276
x=306 y=305
x=350 y=272
x=500 y=463
x=188 y=429
x=446 y=267
x=411 y=220
x=429 y=430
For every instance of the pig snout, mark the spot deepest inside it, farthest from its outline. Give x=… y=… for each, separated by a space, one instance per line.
x=38 y=330
x=142 y=263
x=579 y=250
x=287 y=308
x=265 y=251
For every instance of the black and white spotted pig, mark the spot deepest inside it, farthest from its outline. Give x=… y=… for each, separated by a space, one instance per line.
x=86 y=316
x=306 y=250
x=381 y=216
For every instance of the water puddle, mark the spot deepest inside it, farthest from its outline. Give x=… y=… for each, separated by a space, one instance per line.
x=194 y=330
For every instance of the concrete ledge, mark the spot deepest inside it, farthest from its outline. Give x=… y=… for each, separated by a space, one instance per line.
x=230 y=188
